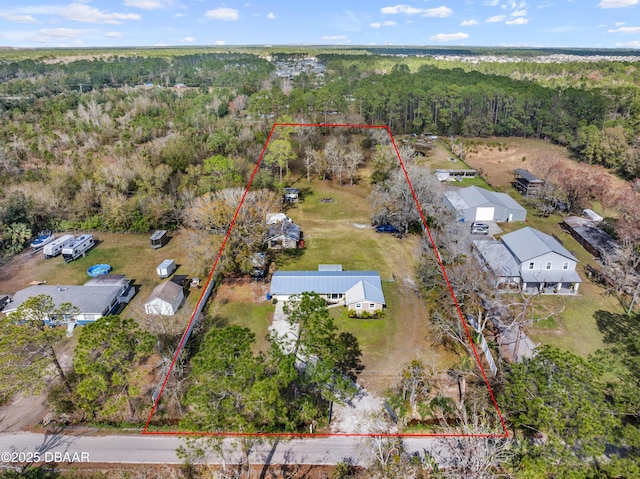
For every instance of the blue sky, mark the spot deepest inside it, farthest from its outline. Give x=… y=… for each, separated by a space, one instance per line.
x=531 y=23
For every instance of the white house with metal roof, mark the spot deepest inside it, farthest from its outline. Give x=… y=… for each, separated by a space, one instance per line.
x=531 y=259
x=100 y=296
x=358 y=290
x=477 y=204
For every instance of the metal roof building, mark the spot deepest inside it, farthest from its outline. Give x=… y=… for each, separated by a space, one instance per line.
x=361 y=285
x=477 y=204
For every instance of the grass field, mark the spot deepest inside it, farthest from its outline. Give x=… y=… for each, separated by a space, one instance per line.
x=128 y=254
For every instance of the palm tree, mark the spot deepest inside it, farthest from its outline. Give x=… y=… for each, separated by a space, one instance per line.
x=19 y=234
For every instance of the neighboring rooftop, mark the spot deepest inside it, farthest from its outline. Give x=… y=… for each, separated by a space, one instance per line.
x=593 y=238
x=474 y=196
x=527 y=175
x=527 y=243
x=498 y=258
x=166 y=291
x=88 y=303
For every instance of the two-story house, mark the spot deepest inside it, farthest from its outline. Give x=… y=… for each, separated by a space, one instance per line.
x=532 y=260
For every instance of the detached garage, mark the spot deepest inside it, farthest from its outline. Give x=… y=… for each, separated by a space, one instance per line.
x=477 y=204
x=165 y=299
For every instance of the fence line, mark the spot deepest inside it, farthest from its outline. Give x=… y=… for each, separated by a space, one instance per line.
x=484 y=346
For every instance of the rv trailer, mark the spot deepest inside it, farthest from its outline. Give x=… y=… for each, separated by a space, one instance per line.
x=79 y=247
x=55 y=247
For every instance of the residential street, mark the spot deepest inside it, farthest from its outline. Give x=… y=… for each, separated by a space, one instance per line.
x=147 y=449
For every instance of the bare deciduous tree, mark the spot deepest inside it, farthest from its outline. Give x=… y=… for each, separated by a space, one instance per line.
x=393 y=202
x=474 y=457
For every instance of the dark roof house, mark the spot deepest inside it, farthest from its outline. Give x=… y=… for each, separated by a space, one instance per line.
x=283 y=235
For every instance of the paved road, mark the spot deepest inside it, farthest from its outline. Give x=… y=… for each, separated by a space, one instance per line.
x=141 y=449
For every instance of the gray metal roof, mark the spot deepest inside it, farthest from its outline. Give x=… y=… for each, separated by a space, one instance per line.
x=285 y=228
x=528 y=243
x=325 y=282
x=498 y=257
x=167 y=291
x=474 y=196
x=90 y=300
x=363 y=291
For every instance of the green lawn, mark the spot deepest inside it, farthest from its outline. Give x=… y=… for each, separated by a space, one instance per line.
x=254 y=316
x=375 y=336
x=128 y=254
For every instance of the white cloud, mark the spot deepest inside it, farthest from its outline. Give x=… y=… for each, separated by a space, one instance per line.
x=148 y=4
x=518 y=21
x=47 y=35
x=492 y=3
x=271 y=15
x=496 y=18
x=439 y=12
x=388 y=23
x=223 y=13
x=334 y=37
x=619 y=24
x=448 y=37
x=406 y=9
x=179 y=15
x=114 y=34
x=79 y=12
x=519 y=13
x=469 y=23
x=219 y=42
x=188 y=40
x=624 y=30
x=17 y=18
x=617 y=3
x=634 y=44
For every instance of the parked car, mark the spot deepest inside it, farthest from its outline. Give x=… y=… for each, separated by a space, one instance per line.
x=387 y=229
x=479 y=228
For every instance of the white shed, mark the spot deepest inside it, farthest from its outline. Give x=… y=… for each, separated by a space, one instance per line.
x=165 y=299
x=166 y=268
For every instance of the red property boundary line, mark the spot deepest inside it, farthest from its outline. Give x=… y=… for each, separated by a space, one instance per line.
x=187 y=332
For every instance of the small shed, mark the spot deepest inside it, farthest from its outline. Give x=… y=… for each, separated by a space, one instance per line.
x=166 y=268
x=291 y=195
x=158 y=239
x=165 y=299
x=283 y=235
